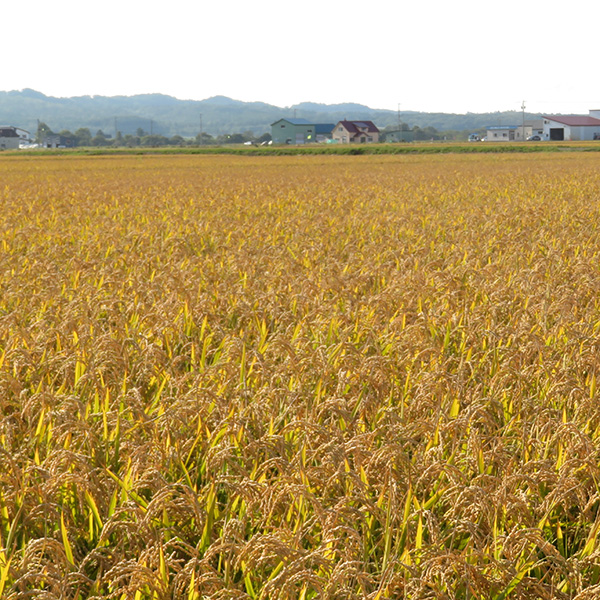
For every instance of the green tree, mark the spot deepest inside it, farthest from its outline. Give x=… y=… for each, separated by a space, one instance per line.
x=83 y=137
x=154 y=140
x=231 y=138
x=100 y=139
x=42 y=131
x=131 y=140
x=176 y=140
x=426 y=133
x=67 y=138
x=205 y=140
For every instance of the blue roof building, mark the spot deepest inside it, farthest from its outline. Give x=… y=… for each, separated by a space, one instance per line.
x=299 y=131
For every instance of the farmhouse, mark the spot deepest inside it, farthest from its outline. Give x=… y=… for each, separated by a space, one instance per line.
x=355 y=132
x=299 y=131
x=11 y=137
x=572 y=128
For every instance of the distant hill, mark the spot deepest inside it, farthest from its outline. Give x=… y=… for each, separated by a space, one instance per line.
x=162 y=114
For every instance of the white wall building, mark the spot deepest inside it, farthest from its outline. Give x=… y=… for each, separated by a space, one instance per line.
x=531 y=128
x=500 y=133
x=23 y=134
x=573 y=127
x=9 y=138
x=12 y=137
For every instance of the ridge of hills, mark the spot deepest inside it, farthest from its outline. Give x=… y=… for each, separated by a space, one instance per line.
x=166 y=115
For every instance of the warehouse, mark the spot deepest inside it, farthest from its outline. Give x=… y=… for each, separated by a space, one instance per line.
x=572 y=128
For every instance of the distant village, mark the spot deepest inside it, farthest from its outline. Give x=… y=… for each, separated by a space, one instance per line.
x=292 y=131
x=546 y=128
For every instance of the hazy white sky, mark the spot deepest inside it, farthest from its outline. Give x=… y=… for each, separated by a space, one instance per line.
x=430 y=55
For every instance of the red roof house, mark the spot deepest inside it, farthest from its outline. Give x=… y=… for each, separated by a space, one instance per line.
x=355 y=132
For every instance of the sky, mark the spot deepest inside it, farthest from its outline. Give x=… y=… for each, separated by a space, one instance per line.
x=424 y=55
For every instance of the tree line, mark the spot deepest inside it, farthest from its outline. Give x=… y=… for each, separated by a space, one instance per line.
x=428 y=133
x=83 y=137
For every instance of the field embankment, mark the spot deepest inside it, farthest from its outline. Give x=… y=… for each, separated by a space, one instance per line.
x=331 y=149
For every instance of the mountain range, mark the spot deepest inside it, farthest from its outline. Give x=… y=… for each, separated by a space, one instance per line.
x=166 y=115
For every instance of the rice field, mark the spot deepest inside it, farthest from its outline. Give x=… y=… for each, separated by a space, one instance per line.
x=309 y=377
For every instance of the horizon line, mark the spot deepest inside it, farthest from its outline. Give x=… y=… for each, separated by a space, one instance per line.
x=292 y=106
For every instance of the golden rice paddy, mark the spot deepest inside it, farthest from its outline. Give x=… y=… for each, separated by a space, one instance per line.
x=358 y=377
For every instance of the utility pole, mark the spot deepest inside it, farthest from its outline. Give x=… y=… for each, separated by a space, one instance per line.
x=399 y=120
x=201 y=142
x=523 y=109
x=116 y=128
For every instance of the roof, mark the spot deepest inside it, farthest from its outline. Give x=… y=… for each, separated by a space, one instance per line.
x=324 y=127
x=8 y=132
x=500 y=127
x=295 y=121
x=355 y=126
x=574 y=120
